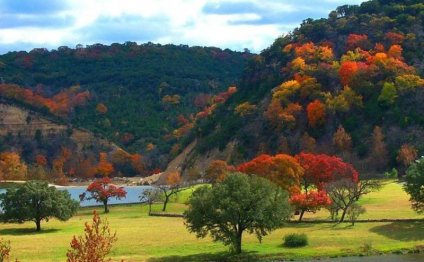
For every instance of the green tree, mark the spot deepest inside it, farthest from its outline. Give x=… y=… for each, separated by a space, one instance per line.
x=240 y=203
x=414 y=185
x=388 y=94
x=36 y=201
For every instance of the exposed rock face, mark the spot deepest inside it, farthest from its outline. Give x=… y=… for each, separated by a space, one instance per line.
x=19 y=121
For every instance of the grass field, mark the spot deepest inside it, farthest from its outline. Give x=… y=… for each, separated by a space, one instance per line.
x=141 y=237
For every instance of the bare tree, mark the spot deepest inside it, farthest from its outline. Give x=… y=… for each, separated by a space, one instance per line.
x=172 y=187
x=345 y=192
x=150 y=196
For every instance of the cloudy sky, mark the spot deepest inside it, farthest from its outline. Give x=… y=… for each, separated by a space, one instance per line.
x=234 y=24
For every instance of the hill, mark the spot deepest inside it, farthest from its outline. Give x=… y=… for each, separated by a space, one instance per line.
x=350 y=85
x=143 y=98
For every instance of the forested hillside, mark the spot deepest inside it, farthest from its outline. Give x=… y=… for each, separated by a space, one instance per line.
x=144 y=98
x=350 y=85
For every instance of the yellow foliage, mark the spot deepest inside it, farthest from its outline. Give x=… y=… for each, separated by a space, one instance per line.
x=245 y=109
x=286 y=89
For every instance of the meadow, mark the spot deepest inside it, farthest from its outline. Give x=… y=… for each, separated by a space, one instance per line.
x=142 y=237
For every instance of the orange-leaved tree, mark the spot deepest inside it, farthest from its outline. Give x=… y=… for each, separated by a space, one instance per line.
x=316 y=113
x=95 y=244
x=217 y=171
x=282 y=169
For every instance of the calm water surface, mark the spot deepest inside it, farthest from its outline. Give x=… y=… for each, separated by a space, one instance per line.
x=133 y=193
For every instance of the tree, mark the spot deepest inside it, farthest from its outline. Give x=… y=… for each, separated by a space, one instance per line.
x=316 y=113
x=150 y=196
x=354 y=211
x=311 y=201
x=217 y=171
x=342 y=140
x=172 y=187
x=388 y=94
x=346 y=192
x=379 y=154
x=102 y=190
x=36 y=201
x=282 y=169
x=11 y=166
x=95 y=244
x=414 y=185
x=240 y=203
x=406 y=155
x=104 y=167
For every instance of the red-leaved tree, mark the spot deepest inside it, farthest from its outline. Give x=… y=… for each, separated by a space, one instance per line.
x=311 y=201
x=102 y=190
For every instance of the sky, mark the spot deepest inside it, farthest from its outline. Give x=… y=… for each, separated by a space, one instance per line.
x=233 y=24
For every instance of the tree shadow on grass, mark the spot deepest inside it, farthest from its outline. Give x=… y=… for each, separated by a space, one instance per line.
x=25 y=231
x=221 y=257
x=403 y=231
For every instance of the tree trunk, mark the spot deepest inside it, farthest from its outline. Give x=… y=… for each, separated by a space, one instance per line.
x=38 y=224
x=150 y=208
x=106 y=207
x=343 y=215
x=165 y=203
x=301 y=215
x=237 y=244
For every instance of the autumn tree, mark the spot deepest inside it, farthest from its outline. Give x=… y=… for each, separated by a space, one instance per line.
x=172 y=187
x=101 y=108
x=379 y=155
x=319 y=170
x=282 y=169
x=316 y=113
x=406 y=155
x=311 y=201
x=342 y=140
x=239 y=204
x=102 y=190
x=217 y=171
x=11 y=166
x=36 y=201
x=104 y=167
x=96 y=243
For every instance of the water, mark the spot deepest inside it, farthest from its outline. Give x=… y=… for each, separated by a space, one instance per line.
x=133 y=193
x=382 y=258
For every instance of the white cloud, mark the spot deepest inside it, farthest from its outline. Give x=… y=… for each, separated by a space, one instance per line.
x=233 y=24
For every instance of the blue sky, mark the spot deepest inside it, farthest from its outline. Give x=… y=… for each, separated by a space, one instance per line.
x=234 y=24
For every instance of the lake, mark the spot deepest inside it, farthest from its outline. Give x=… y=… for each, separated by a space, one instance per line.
x=133 y=193
x=382 y=258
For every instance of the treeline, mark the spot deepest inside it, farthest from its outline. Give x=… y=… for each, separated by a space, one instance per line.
x=131 y=94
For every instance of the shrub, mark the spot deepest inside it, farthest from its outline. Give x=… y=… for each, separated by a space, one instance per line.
x=295 y=240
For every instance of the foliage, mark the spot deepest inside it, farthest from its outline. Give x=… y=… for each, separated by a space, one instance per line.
x=240 y=203
x=12 y=167
x=217 y=171
x=342 y=140
x=102 y=190
x=391 y=174
x=354 y=211
x=414 y=184
x=295 y=240
x=36 y=201
x=4 y=250
x=316 y=113
x=310 y=201
x=95 y=244
x=284 y=170
x=406 y=155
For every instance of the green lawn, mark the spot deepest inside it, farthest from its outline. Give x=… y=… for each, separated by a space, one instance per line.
x=141 y=237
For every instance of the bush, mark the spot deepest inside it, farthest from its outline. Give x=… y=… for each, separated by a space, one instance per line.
x=295 y=240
